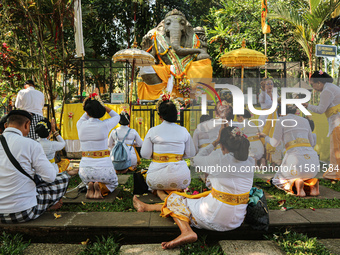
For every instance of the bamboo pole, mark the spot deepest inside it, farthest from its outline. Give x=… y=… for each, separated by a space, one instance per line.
x=265 y=53
x=242 y=75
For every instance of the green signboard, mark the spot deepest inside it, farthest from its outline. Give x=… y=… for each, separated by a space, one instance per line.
x=326 y=51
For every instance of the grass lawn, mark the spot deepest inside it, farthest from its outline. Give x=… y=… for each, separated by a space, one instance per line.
x=123 y=203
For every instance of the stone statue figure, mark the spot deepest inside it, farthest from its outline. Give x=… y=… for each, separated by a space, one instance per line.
x=179 y=54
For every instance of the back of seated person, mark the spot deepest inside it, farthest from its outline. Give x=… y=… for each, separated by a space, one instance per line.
x=20 y=199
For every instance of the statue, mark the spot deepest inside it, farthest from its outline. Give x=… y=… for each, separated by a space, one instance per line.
x=180 y=57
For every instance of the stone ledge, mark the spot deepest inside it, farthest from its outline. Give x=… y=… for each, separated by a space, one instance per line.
x=143 y=227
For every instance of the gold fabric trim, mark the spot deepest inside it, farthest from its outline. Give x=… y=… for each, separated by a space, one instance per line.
x=333 y=110
x=298 y=142
x=230 y=199
x=253 y=138
x=166 y=157
x=52 y=160
x=96 y=154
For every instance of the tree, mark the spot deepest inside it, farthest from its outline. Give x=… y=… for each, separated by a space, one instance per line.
x=308 y=22
x=234 y=21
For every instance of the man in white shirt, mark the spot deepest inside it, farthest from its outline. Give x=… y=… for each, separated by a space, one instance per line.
x=20 y=199
x=32 y=101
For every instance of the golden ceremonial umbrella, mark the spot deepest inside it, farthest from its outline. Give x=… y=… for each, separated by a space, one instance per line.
x=243 y=57
x=136 y=57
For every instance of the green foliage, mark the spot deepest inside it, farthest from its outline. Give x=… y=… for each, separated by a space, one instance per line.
x=109 y=245
x=296 y=243
x=12 y=244
x=201 y=247
x=234 y=21
x=330 y=184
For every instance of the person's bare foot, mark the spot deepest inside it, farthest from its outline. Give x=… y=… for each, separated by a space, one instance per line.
x=90 y=190
x=314 y=190
x=138 y=205
x=184 y=238
x=56 y=206
x=97 y=191
x=161 y=194
x=299 y=184
x=73 y=172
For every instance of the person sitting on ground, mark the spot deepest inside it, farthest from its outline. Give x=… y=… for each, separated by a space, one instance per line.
x=45 y=129
x=33 y=101
x=2 y=123
x=167 y=144
x=256 y=149
x=301 y=163
x=20 y=199
x=216 y=209
x=132 y=139
x=95 y=168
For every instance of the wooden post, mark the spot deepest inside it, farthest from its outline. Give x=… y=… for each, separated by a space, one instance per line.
x=242 y=74
x=131 y=87
x=265 y=53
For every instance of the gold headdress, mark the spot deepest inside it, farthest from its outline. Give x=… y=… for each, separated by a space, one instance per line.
x=166 y=96
x=44 y=124
x=93 y=96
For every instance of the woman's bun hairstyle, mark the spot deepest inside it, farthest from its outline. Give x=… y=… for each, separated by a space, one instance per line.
x=94 y=108
x=237 y=144
x=124 y=119
x=321 y=77
x=168 y=111
x=43 y=128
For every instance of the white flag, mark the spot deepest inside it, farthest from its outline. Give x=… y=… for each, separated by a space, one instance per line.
x=78 y=29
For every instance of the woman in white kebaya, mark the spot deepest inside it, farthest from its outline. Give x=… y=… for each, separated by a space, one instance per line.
x=96 y=169
x=45 y=129
x=131 y=140
x=223 y=208
x=300 y=164
x=330 y=105
x=168 y=144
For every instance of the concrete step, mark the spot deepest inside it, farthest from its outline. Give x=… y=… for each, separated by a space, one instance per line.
x=333 y=245
x=241 y=247
x=53 y=249
x=147 y=249
x=74 y=227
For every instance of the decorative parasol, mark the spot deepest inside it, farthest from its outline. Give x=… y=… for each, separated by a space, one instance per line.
x=243 y=57
x=136 y=57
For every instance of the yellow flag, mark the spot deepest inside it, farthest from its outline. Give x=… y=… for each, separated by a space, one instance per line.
x=264 y=20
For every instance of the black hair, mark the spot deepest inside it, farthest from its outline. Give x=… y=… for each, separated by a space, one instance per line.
x=239 y=145
x=323 y=77
x=168 y=111
x=124 y=119
x=29 y=82
x=41 y=129
x=311 y=123
x=17 y=119
x=246 y=114
x=2 y=122
x=205 y=117
x=94 y=108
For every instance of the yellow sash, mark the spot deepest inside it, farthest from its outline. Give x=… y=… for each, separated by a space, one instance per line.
x=203 y=145
x=333 y=110
x=268 y=129
x=227 y=198
x=166 y=157
x=253 y=138
x=96 y=154
x=52 y=160
x=298 y=142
